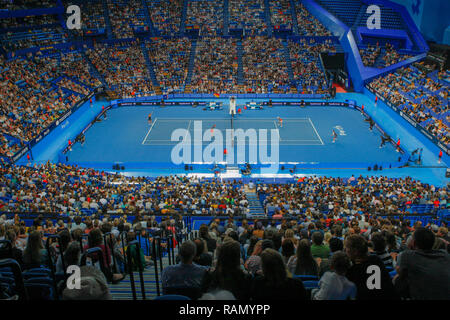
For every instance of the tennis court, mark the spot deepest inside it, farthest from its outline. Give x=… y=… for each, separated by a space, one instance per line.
x=126 y=136
x=295 y=131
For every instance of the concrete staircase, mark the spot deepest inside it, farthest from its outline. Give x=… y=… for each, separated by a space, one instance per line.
x=93 y=70
x=148 y=19
x=268 y=18
x=123 y=290
x=287 y=57
x=294 y=18
x=226 y=17
x=256 y=209
x=109 y=32
x=183 y=17
x=240 y=72
x=187 y=84
x=379 y=62
x=151 y=70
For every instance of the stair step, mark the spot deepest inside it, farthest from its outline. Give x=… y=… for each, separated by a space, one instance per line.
x=256 y=209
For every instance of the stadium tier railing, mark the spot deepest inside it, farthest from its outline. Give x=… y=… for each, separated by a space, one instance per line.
x=411 y=121
x=193 y=222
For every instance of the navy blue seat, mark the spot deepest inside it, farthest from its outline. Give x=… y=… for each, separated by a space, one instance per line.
x=305 y=277
x=311 y=284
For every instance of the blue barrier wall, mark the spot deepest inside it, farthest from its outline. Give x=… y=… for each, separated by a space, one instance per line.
x=410 y=127
x=48 y=147
x=354 y=63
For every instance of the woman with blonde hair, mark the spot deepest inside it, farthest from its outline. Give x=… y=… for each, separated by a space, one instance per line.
x=289 y=234
x=327 y=237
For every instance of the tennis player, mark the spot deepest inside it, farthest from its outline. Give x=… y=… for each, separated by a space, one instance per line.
x=280 y=122
x=334 y=136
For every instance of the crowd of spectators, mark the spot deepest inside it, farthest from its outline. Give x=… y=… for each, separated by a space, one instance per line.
x=370 y=54
x=26 y=4
x=335 y=230
x=92 y=17
x=124 y=15
x=28 y=22
x=263 y=260
x=248 y=15
x=67 y=189
x=306 y=64
x=206 y=16
x=340 y=198
x=236 y=259
x=166 y=15
x=32 y=38
x=308 y=25
x=73 y=86
x=281 y=15
x=389 y=55
x=170 y=60
x=73 y=65
x=31 y=31
x=8 y=146
x=420 y=95
x=264 y=64
x=215 y=66
x=29 y=100
x=124 y=68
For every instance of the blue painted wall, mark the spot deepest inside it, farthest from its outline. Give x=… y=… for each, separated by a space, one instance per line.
x=432 y=17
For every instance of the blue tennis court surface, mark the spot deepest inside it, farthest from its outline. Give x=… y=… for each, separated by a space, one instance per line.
x=299 y=131
x=305 y=138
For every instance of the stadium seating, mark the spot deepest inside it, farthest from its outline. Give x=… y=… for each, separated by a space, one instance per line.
x=249 y=16
x=170 y=60
x=206 y=17
x=124 y=68
x=134 y=226
x=125 y=15
x=43 y=88
x=215 y=66
x=93 y=18
x=420 y=92
x=166 y=15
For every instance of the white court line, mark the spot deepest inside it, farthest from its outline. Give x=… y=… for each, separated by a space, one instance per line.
x=145 y=139
x=187 y=132
x=276 y=128
x=312 y=124
x=284 y=142
x=237 y=119
x=290 y=142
